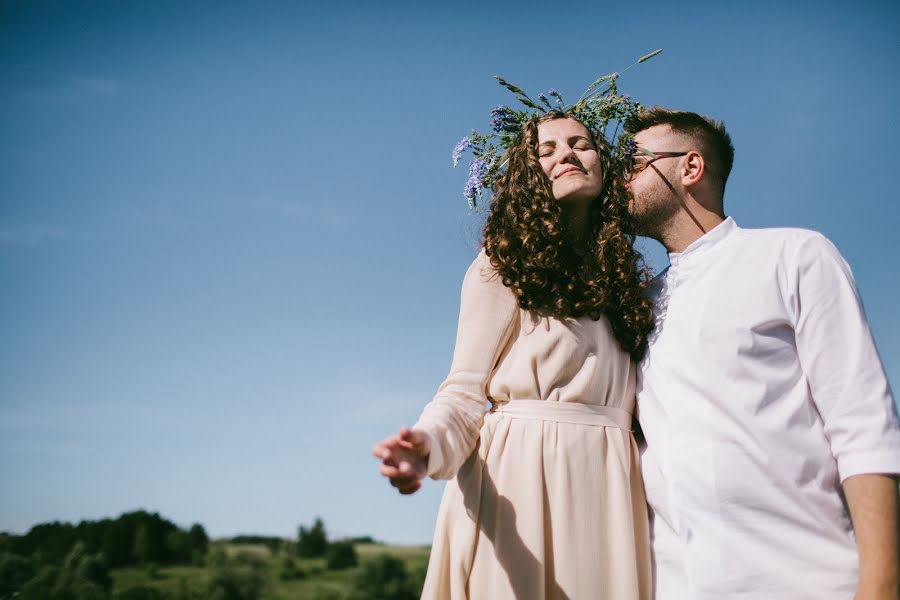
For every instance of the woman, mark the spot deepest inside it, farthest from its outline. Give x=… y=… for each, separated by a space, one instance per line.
x=546 y=498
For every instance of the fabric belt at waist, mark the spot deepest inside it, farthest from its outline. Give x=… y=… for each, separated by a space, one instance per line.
x=565 y=412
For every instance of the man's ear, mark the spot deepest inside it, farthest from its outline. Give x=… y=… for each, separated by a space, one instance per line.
x=693 y=170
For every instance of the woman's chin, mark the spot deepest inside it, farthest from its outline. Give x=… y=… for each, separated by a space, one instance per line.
x=574 y=194
x=576 y=198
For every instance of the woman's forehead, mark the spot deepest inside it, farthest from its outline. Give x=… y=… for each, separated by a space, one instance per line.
x=562 y=128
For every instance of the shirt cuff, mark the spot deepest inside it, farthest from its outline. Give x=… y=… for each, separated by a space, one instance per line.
x=435 y=456
x=885 y=462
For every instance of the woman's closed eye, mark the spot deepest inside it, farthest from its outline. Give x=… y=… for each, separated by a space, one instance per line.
x=546 y=150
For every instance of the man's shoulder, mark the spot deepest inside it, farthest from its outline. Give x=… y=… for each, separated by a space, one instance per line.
x=786 y=242
x=785 y=235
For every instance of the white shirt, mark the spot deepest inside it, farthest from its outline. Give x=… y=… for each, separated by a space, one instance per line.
x=761 y=391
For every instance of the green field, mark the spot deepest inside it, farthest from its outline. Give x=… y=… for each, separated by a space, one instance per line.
x=315 y=582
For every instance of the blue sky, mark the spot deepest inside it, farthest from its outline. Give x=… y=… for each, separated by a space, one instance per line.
x=231 y=242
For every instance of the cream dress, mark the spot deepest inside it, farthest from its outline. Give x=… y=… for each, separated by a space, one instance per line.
x=545 y=498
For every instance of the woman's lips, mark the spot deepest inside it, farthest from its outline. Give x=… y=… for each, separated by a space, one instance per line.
x=570 y=171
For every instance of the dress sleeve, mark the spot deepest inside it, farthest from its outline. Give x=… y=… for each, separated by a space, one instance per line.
x=487 y=314
x=842 y=366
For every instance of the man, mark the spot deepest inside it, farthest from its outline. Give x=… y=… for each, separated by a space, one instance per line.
x=772 y=437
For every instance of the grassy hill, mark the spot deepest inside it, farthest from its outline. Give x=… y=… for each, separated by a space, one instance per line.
x=278 y=574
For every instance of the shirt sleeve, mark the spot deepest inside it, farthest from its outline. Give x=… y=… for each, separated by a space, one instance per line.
x=488 y=310
x=843 y=370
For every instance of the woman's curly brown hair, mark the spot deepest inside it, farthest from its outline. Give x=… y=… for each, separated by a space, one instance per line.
x=526 y=240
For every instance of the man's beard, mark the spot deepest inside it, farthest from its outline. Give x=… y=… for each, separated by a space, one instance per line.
x=649 y=216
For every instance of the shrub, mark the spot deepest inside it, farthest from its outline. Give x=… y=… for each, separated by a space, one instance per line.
x=235 y=583
x=82 y=576
x=152 y=571
x=54 y=583
x=249 y=559
x=290 y=570
x=384 y=577
x=216 y=558
x=341 y=555
x=15 y=570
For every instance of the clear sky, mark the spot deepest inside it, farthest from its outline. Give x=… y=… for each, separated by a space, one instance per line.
x=231 y=242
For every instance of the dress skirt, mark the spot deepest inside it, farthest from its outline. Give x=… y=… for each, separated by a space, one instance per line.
x=549 y=505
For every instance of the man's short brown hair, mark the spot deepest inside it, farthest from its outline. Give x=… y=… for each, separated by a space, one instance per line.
x=715 y=143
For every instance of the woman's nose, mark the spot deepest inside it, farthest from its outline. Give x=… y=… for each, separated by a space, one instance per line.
x=567 y=154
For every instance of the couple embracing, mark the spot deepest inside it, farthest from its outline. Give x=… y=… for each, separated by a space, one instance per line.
x=769 y=438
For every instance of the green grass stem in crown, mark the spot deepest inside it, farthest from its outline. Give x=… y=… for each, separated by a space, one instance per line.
x=601 y=107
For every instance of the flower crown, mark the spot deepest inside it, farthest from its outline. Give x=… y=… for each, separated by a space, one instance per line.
x=599 y=105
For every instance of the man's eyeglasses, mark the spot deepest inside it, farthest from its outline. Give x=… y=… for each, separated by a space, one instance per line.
x=638 y=164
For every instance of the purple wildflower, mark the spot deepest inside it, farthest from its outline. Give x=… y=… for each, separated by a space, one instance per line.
x=615 y=76
x=503 y=119
x=477 y=172
x=554 y=94
x=544 y=99
x=631 y=146
x=461 y=146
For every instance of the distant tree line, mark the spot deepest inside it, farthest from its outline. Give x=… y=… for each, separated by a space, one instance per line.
x=135 y=538
x=61 y=561
x=72 y=562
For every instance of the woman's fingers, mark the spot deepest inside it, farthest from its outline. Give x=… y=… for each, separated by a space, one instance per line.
x=412 y=440
x=383 y=450
x=405 y=482
x=392 y=472
x=401 y=470
x=411 y=488
x=402 y=459
x=385 y=447
x=403 y=477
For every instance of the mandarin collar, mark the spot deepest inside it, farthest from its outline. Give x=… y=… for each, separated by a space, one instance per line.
x=702 y=245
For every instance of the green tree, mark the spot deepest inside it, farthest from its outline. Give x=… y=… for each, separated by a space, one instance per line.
x=199 y=543
x=117 y=544
x=15 y=570
x=178 y=546
x=312 y=542
x=141 y=547
x=54 y=540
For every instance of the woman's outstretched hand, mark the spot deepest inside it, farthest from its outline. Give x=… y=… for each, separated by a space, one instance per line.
x=404 y=459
